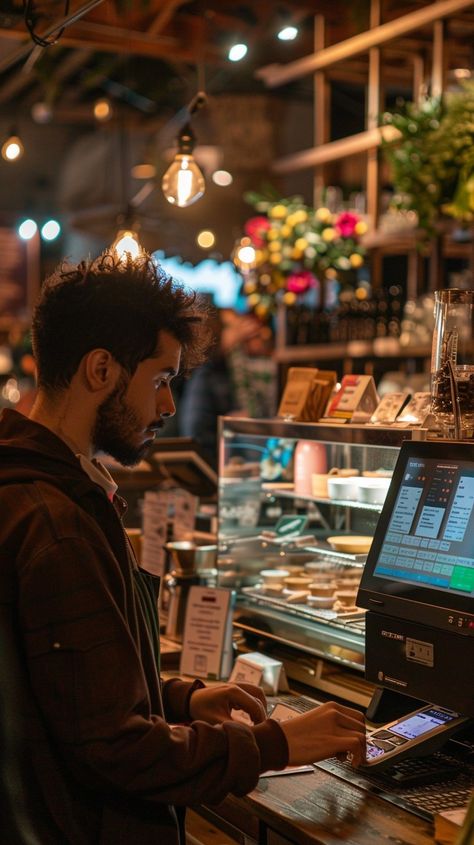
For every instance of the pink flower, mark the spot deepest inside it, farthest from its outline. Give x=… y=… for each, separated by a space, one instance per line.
x=301 y=282
x=346 y=223
x=255 y=228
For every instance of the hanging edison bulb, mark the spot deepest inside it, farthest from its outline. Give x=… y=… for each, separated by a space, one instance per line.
x=12 y=148
x=183 y=182
x=126 y=245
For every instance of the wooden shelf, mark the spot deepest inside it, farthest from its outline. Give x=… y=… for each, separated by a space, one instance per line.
x=382 y=347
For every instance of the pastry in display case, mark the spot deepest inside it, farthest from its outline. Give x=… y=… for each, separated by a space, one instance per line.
x=297 y=508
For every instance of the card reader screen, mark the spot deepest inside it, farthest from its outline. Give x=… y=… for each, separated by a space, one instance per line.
x=422 y=722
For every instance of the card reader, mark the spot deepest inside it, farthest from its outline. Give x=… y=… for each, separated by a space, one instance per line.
x=417 y=734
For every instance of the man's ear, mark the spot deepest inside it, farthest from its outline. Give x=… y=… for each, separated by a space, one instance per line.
x=101 y=370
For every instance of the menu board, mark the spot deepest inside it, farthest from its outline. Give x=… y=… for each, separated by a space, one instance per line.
x=19 y=273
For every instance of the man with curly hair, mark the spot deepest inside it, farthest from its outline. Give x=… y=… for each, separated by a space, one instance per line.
x=113 y=754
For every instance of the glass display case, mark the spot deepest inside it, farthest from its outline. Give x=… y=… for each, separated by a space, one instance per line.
x=297 y=508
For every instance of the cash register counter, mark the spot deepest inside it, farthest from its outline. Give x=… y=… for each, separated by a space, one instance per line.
x=316 y=809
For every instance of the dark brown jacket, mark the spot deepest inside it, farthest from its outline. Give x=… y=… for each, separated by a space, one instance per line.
x=103 y=764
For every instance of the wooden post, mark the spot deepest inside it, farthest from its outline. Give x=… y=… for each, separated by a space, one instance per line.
x=373 y=112
x=321 y=104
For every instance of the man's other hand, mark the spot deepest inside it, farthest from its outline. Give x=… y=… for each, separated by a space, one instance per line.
x=214 y=704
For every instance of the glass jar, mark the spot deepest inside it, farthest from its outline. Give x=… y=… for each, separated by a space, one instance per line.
x=452 y=363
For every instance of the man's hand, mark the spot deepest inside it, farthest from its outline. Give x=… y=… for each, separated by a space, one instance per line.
x=326 y=731
x=215 y=704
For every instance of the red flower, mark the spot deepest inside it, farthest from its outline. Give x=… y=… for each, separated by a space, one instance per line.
x=346 y=223
x=255 y=228
x=301 y=282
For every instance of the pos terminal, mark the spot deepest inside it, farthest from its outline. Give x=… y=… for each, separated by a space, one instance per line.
x=418 y=588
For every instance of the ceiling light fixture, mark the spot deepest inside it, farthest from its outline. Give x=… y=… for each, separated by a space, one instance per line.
x=27 y=229
x=50 y=230
x=183 y=182
x=288 y=33
x=237 y=52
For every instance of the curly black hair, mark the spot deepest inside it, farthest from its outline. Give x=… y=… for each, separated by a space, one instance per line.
x=114 y=304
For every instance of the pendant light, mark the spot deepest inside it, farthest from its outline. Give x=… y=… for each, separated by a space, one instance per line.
x=183 y=182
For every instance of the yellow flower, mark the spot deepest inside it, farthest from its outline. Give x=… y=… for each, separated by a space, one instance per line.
x=278 y=212
x=300 y=216
x=360 y=228
x=285 y=230
x=331 y=273
x=249 y=287
x=261 y=310
x=275 y=246
x=329 y=234
x=301 y=243
x=289 y=298
x=275 y=258
x=253 y=300
x=272 y=234
x=356 y=260
x=296 y=253
x=323 y=214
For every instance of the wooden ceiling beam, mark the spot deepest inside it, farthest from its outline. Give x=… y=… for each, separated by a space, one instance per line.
x=164 y=16
x=97 y=37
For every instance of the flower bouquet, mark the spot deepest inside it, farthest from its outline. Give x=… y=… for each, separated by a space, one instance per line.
x=290 y=248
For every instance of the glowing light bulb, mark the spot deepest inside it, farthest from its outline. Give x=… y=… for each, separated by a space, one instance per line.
x=183 y=182
x=237 y=52
x=222 y=178
x=126 y=245
x=246 y=255
x=50 y=230
x=206 y=239
x=12 y=149
x=103 y=109
x=288 y=33
x=27 y=229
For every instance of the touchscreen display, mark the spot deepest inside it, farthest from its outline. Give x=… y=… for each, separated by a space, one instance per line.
x=429 y=539
x=422 y=722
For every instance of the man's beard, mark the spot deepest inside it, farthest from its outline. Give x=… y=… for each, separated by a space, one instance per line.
x=116 y=427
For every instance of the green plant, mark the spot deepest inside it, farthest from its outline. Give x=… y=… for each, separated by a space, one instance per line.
x=432 y=162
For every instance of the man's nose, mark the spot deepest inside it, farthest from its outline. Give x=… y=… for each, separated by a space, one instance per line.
x=165 y=404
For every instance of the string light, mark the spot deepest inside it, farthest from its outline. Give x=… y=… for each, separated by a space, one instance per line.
x=12 y=148
x=103 y=109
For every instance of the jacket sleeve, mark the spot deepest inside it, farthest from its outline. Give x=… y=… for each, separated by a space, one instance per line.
x=88 y=681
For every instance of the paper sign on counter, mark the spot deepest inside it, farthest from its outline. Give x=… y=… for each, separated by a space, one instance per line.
x=207 y=641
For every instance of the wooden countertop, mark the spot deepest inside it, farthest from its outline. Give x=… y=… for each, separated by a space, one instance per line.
x=321 y=809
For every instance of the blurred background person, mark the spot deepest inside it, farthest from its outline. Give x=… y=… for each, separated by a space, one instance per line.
x=240 y=379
